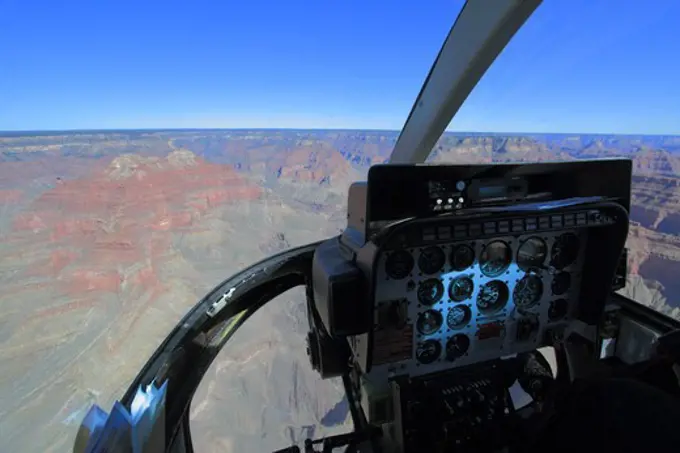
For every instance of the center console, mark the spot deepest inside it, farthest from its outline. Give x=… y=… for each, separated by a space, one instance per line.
x=465 y=410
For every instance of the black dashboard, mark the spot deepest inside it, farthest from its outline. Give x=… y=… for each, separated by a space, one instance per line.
x=473 y=300
x=452 y=293
x=449 y=278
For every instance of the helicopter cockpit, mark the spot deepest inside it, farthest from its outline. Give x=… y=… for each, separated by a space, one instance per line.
x=437 y=301
x=443 y=294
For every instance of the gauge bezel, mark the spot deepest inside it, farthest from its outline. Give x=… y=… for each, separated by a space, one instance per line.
x=564 y=307
x=575 y=250
x=450 y=344
x=452 y=255
x=467 y=316
x=440 y=291
x=554 y=281
x=458 y=279
x=537 y=297
x=389 y=262
x=439 y=318
x=532 y=265
x=500 y=303
x=508 y=253
x=441 y=256
x=421 y=344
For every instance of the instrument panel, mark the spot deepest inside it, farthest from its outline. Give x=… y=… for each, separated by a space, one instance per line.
x=444 y=305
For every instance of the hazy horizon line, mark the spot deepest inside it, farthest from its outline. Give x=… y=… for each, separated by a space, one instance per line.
x=22 y=133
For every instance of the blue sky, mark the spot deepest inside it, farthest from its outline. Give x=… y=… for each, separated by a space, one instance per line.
x=577 y=66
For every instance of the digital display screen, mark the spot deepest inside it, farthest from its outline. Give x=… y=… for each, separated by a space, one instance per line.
x=492 y=192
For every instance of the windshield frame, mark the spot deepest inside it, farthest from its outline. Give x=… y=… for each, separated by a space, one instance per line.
x=187 y=352
x=478 y=35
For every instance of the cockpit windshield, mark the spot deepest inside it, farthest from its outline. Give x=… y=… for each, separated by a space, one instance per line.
x=148 y=152
x=584 y=80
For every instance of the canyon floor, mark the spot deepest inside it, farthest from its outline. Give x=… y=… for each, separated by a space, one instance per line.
x=108 y=238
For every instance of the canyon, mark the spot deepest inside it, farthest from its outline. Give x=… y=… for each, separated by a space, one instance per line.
x=108 y=238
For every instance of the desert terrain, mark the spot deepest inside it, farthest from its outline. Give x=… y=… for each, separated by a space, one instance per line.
x=109 y=237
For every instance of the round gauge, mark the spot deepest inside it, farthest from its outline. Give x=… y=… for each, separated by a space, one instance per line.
x=428 y=351
x=492 y=296
x=430 y=291
x=458 y=316
x=560 y=283
x=429 y=322
x=527 y=291
x=495 y=258
x=431 y=260
x=399 y=264
x=457 y=346
x=558 y=309
x=462 y=257
x=461 y=288
x=564 y=250
x=532 y=253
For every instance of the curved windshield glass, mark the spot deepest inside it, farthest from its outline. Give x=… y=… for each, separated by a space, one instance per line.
x=260 y=393
x=150 y=151
x=586 y=80
x=113 y=229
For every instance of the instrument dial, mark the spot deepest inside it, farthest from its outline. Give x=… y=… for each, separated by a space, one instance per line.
x=564 y=251
x=458 y=316
x=558 y=309
x=457 y=346
x=526 y=328
x=532 y=253
x=430 y=291
x=428 y=351
x=492 y=296
x=399 y=264
x=560 y=283
x=495 y=258
x=527 y=291
x=461 y=288
x=429 y=322
x=431 y=260
x=462 y=257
